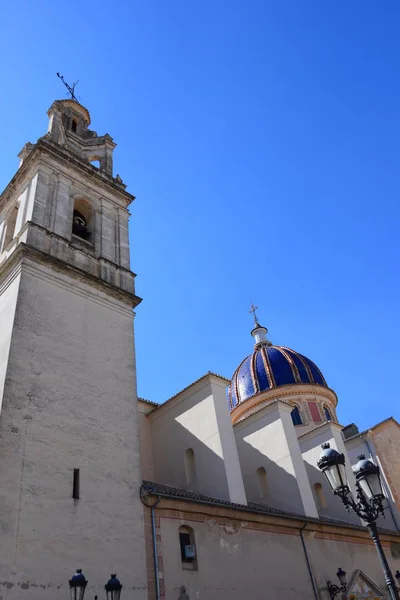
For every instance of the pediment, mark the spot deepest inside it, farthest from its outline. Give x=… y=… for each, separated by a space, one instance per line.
x=362 y=587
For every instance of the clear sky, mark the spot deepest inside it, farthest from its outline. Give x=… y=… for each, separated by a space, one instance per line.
x=261 y=138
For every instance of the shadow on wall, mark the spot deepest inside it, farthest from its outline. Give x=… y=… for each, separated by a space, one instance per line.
x=190 y=464
x=278 y=489
x=182 y=460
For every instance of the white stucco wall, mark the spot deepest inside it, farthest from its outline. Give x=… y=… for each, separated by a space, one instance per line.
x=195 y=420
x=267 y=439
x=69 y=402
x=234 y=563
x=228 y=442
x=248 y=558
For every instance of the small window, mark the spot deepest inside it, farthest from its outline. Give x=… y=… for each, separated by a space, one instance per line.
x=296 y=416
x=190 y=466
x=75 y=485
x=188 y=548
x=319 y=496
x=262 y=482
x=74 y=125
x=328 y=415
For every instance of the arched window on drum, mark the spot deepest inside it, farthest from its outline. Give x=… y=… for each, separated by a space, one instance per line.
x=296 y=416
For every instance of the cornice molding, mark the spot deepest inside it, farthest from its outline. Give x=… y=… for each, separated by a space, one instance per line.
x=23 y=251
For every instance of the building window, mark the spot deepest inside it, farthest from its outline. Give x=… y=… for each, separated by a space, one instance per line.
x=296 y=416
x=74 y=125
x=82 y=221
x=328 y=415
x=188 y=548
x=262 y=482
x=319 y=496
x=10 y=227
x=190 y=466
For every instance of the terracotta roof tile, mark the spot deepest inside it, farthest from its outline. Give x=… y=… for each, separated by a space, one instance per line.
x=159 y=489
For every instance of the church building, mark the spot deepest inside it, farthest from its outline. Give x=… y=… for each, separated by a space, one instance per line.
x=214 y=494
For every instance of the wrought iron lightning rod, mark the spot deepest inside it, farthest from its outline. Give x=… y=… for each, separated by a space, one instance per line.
x=70 y=88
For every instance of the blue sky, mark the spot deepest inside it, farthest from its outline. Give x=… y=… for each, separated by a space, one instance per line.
x=261 y=139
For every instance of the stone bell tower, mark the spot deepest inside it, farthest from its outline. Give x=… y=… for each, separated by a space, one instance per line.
x=69 y=452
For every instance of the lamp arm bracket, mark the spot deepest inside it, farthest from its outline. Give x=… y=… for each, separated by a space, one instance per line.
x=334 y=589
x=366 y=510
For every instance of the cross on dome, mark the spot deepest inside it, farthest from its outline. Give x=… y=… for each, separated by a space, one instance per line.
x=253 y=310
x=259 y=332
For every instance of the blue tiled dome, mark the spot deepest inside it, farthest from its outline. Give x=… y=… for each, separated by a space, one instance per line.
x=270 y=367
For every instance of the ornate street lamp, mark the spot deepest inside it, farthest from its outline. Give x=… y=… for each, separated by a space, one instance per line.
x=113 y=588
x=369 y=503
x=77 y=585
x=332 y=465
x=334 y=589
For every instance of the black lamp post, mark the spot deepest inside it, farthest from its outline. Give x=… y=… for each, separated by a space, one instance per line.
x=113 y=588
x=77 y=585
x=334 y=589
x=369 y=503
x=397 y=575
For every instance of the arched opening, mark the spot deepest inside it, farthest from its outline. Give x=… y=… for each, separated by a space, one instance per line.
x=328 y=415
x=188 y=547
x=319 y=496
x=262 y=482
x=10 y=226
x=74 y=125
x=95 y=161
x=190 y=466
x=296 y=416
x=82 y=221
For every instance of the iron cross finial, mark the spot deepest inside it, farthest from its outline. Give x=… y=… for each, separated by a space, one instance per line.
x=253 y=311
x=70 y=88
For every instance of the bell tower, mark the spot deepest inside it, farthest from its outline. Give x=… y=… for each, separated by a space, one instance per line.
x=69 y=452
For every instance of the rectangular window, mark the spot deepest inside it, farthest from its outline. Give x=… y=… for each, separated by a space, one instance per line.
x=315 y=414
x=75 y=487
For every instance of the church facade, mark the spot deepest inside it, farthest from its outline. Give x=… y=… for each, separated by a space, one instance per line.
x=213 y=494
